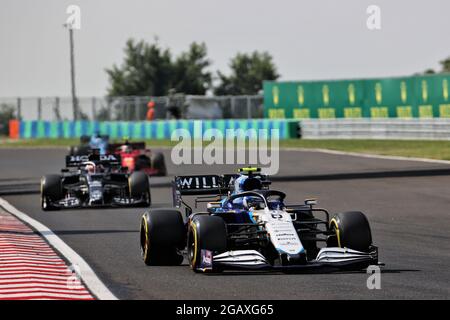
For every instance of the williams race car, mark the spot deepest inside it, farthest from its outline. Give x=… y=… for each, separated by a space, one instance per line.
x=248 y=226
x=94 y=181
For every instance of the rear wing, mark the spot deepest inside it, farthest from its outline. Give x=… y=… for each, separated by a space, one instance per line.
x=77 y=161
x=210 y=185
x=201 y=185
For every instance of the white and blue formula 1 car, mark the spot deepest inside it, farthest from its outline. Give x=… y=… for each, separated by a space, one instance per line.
x=248 y=226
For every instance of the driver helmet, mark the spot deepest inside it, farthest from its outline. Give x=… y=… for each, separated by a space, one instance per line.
x=90 y=168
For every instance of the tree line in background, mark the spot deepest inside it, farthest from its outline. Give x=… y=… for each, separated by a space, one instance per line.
x=149 y=70
x=445 y=67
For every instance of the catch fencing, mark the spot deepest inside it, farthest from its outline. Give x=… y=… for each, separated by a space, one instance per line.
x=133 y=108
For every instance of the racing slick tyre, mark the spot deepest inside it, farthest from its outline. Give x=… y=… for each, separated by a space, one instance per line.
x=159 y=164
x=205 y=232
x=140 y=187
x=51 y=190
x=352 y=231
x=142 y=162
x=162 y=235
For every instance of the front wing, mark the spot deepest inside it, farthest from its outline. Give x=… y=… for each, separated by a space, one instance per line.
x=328 y=259
x=74 y=203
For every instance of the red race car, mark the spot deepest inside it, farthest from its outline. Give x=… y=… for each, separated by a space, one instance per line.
x=136 y=157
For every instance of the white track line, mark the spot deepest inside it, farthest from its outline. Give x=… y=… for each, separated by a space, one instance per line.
x=95 y=285
x=367 y=155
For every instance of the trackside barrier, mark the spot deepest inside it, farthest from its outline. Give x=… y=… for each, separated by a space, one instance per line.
x=431 y=129
x=419 y=96
x=147 y=130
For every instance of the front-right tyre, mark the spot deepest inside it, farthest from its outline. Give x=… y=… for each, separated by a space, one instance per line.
x=139 y=187
x=159 y=164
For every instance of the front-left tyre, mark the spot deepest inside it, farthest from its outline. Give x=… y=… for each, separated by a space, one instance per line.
x=205 y=232
x=162 y=237
x=51 y=191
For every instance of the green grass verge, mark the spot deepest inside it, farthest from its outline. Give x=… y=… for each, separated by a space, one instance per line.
x=439 y=150
x=408 y=148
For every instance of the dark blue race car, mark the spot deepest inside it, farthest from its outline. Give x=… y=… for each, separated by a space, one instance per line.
x=247 y=225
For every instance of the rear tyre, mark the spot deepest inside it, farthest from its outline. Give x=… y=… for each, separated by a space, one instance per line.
x=162 y=235
x=205 y=233
x=352 y=231
x=51 y=191
x=159 y=164
x=139 y=187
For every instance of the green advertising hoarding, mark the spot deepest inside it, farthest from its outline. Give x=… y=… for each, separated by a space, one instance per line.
x=432 y=96
x=406 y=97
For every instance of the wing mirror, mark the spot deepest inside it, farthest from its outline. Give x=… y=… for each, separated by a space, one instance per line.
x=311 y=202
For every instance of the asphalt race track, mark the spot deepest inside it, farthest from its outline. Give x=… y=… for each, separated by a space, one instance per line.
x=408 y=211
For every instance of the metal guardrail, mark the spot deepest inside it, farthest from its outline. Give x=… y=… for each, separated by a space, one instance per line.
x=431 y=129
